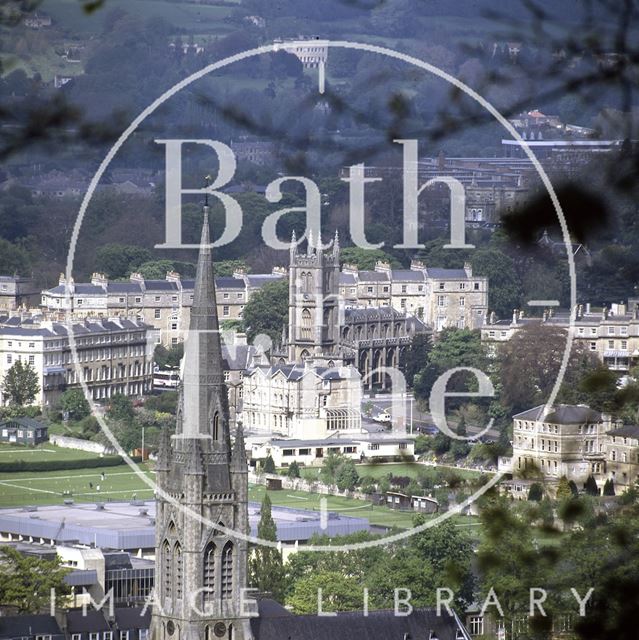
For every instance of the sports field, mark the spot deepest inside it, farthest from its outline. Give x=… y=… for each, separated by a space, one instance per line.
x=42 y=452
x=81 y=485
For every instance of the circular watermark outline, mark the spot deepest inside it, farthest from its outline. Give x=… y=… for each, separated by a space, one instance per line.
x=344 y=44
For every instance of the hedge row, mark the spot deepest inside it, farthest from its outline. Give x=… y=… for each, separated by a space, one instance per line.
x=63 y=465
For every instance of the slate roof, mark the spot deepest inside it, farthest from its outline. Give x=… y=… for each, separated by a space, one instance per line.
x=561 y=414
x=422 y=624
x=627 y=431
x=443 y=274
x=124 y=287
x=347 y=278
x=373 y=276
x=94 y=620
x=25 y=422
x=229 y=282
x=28 y=625
x=408 y=275
x=129 y=618
x=295 y=372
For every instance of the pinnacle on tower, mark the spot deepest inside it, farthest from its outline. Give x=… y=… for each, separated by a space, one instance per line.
x=336 y=243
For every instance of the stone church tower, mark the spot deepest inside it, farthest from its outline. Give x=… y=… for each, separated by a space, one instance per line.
x=314 y=316
x=200 y=569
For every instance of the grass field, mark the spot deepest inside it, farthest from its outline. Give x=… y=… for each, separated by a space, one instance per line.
x=52 y=487
x=42 y=452
x=382 y=516
x=409 y=469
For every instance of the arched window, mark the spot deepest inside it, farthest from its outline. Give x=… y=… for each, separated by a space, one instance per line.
x=166 y=568
x=177 y=562
x=216 y=426
x=227 y=571
x=171 y=528
x=209 y=572
x=306 y=323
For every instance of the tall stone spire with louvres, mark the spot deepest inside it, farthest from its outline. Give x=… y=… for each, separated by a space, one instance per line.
x=201 y=566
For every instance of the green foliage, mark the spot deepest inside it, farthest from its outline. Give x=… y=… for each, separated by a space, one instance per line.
x=21 y=384
x=120 y=408
x=268 y=466
x=346 y=476
x=366 y=259
x=165 y=402
x=170 y=357
x=339 y=593
x=609 y=487
x=590 y=487
x=75 y=404
x=536 y=492
x=339 y=470
x=529 y=364
x=422 y=444
x=293 y=470
x=505 y=289
x=266 y=569
x=267 y=311
x=13 y=259
x=416 y=357
x=61 y=465
x=564 y=491
x=26 y=581
x=120 y=260
x=157 y=269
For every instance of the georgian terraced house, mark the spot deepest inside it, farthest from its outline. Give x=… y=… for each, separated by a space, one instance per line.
x=164 y=304
x=116 y=356
x=612 y=334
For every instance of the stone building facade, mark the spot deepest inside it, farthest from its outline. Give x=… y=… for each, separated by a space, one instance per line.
x=302 y=401
x=116 y=356
x=164 y=304
x=611 y=334
x=574 y=441
x=16 y=292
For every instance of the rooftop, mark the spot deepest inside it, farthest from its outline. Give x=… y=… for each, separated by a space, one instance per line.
x=561 y=414
x=131 y=526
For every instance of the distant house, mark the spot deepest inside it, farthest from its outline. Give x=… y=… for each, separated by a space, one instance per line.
x=23 y=431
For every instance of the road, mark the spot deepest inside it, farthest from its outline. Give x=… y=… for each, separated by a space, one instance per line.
x=421 y=420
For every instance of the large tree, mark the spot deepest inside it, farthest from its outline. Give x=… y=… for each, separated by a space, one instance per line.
x=26 y=581
x=530 y=363
x=266 y=568
x=267 y=310
x=21 y=384
x=74 y=404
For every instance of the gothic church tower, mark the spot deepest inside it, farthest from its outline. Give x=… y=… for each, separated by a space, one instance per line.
x=314 y=308
x=200 y=569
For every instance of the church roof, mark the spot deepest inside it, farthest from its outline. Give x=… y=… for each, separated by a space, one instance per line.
x=421 y=624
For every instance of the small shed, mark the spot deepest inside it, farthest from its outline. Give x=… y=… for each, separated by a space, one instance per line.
x=273 y=484
x=23 y=430
x=399 y=501
x=424 y=504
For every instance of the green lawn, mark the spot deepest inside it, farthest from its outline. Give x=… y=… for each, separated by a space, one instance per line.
x=52 y=487
x=410 y=469
x=40 y=453
x=378 y=515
